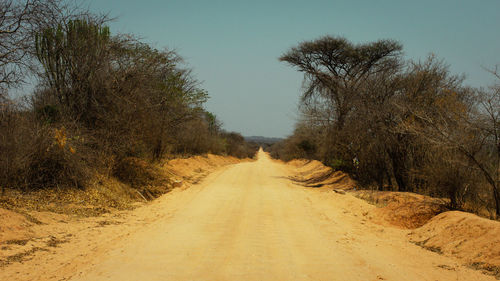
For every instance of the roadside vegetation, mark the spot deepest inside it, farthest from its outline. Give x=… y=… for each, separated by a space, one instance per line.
x=103 y=105
x=395 y=124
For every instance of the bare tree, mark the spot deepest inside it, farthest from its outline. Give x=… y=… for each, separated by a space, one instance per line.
x=451 y=117
x=18 y=22
x=489 y=124
x=13 y=37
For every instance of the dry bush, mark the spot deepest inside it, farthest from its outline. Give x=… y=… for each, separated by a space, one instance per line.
x=15 y=140
x=53 y=162
x=235 y=145
x=446 y=173
x=37 y=155
x=139 y=173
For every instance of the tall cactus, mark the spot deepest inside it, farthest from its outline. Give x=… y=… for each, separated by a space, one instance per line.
x=49 y=50
x=71 y=54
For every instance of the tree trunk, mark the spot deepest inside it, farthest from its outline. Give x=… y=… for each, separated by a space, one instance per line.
x=496 y=196
x=489 y=178
x=381 y=181
x=398 y=169
x=400 y=180
x=389 y=180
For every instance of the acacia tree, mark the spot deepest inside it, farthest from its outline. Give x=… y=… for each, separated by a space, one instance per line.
x=338 y=76
x=335 y=69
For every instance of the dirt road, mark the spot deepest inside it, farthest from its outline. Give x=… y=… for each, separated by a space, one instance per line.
x=249 y=222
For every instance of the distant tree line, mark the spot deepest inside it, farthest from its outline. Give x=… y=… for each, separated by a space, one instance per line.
x=99 y=99
x=395 y=124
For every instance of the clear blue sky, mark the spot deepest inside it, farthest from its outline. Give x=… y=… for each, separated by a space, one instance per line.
x=233 y=46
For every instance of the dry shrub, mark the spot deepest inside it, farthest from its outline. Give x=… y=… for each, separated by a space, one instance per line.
x=14 y=140
x=135 y=171
x=36 y=155
x=145 y=177
x=53 y=162
x=235 y=145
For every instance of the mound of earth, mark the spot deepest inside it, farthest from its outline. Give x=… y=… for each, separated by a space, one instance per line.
x=473 y=239
x=312 y=173
x=194 y=168
x=13 y=226
x=298 y=162
x=402 y=209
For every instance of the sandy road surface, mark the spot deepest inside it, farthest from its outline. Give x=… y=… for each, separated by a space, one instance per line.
x=249 y=222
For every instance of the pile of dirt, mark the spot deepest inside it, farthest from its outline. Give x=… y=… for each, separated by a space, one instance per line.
x=312 y=173
x=297 y=163
x=22 y=235
x=473 y=239
x=193 y=169
x=402 y=209
x=13 y=226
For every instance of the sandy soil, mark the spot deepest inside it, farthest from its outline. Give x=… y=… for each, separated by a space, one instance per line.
x=247 y=221
x=473 y=239
x=312 y=173
x=402 y=209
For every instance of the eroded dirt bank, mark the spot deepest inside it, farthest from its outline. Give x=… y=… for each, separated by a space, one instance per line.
x=247 y=221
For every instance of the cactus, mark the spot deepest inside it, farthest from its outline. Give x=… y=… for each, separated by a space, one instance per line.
x=49 y=51
x=70 y=55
